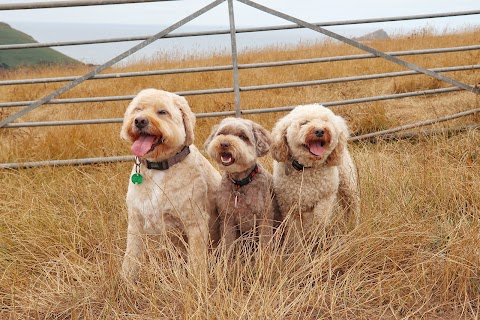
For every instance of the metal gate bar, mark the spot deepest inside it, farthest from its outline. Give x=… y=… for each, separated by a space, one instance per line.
x=71 y=3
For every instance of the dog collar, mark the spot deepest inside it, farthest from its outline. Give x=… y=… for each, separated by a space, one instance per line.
x=165 y=164
x=240 y=183
x=137 y=178
x=298 y=166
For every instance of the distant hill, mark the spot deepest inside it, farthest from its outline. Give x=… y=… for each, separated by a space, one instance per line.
x=27 y=57
x=376 y=35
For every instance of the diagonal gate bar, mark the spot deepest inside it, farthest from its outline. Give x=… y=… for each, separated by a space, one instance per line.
x=360 y=46
x=109 y=63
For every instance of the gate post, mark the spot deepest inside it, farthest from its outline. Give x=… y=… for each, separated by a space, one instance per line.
x=233 y=40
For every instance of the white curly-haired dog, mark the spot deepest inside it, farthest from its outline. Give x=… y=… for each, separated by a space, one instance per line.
x=313 y=169
x=245 y=195
x=172 y=184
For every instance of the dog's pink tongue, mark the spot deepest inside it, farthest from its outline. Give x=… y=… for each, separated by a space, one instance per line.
x=316 y=148
x=142 y=145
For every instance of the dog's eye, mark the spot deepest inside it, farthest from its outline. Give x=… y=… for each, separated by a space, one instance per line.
x=138 y=109
x=243 y=137
x=162 y=112
x=304 y=122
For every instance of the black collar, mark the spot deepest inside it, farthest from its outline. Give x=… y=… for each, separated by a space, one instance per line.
x=165 y=164
x=298 y=166
x=240 y=183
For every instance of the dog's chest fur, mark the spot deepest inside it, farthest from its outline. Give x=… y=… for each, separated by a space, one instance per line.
x=165 y=199
x=150 y=201
x=251 y=203
x=307 y=186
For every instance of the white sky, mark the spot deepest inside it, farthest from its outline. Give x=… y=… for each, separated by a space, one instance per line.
x=309 y=10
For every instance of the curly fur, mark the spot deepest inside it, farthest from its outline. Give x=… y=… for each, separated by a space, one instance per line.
x=316 y=138
x=178 y=199
x=235 y=144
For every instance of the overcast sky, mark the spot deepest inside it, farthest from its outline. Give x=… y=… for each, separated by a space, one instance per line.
x=309 y=10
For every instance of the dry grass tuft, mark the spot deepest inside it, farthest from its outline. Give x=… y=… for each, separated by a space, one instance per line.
x=415 y=254
x=404 y=85
x=369 y=118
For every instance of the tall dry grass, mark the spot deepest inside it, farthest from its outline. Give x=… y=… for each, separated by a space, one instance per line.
x=414 y=255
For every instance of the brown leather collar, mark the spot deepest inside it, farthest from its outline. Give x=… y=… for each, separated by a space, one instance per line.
x=165 y=164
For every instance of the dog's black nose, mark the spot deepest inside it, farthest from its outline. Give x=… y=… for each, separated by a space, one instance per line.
x=319 y=132
x=141 y=122
x=224 y=144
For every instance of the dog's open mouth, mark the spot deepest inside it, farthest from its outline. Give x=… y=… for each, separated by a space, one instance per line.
x=316 y=147
x=226 y=158
x=145 y=143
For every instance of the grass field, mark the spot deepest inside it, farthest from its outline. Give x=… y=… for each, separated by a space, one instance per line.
x=415 y=254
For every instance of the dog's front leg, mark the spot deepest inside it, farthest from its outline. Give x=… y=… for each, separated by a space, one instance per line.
x=197 y=234
x=322 y=212
x=228 y=230
x=348 y=190
x=134 y=250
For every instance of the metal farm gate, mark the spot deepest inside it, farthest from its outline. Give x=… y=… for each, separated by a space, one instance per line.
x=9 y=124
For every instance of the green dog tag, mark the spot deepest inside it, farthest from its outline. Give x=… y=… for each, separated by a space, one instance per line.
x=137 y=178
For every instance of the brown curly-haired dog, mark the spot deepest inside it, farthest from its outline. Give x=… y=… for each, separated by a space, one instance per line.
x=244 y=197
x=313 y=169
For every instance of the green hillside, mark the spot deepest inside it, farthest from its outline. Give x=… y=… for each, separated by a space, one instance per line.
x=27 y=57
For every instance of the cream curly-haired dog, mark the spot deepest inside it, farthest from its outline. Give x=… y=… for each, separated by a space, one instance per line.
x=245 y=194
x=172 y=184
x=313 y=169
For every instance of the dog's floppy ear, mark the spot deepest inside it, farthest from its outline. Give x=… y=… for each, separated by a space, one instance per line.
x=210 y=137
x=188 y=118
x=123 y=131
x=262 y=139
x=279 y=147
x=335 y=156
